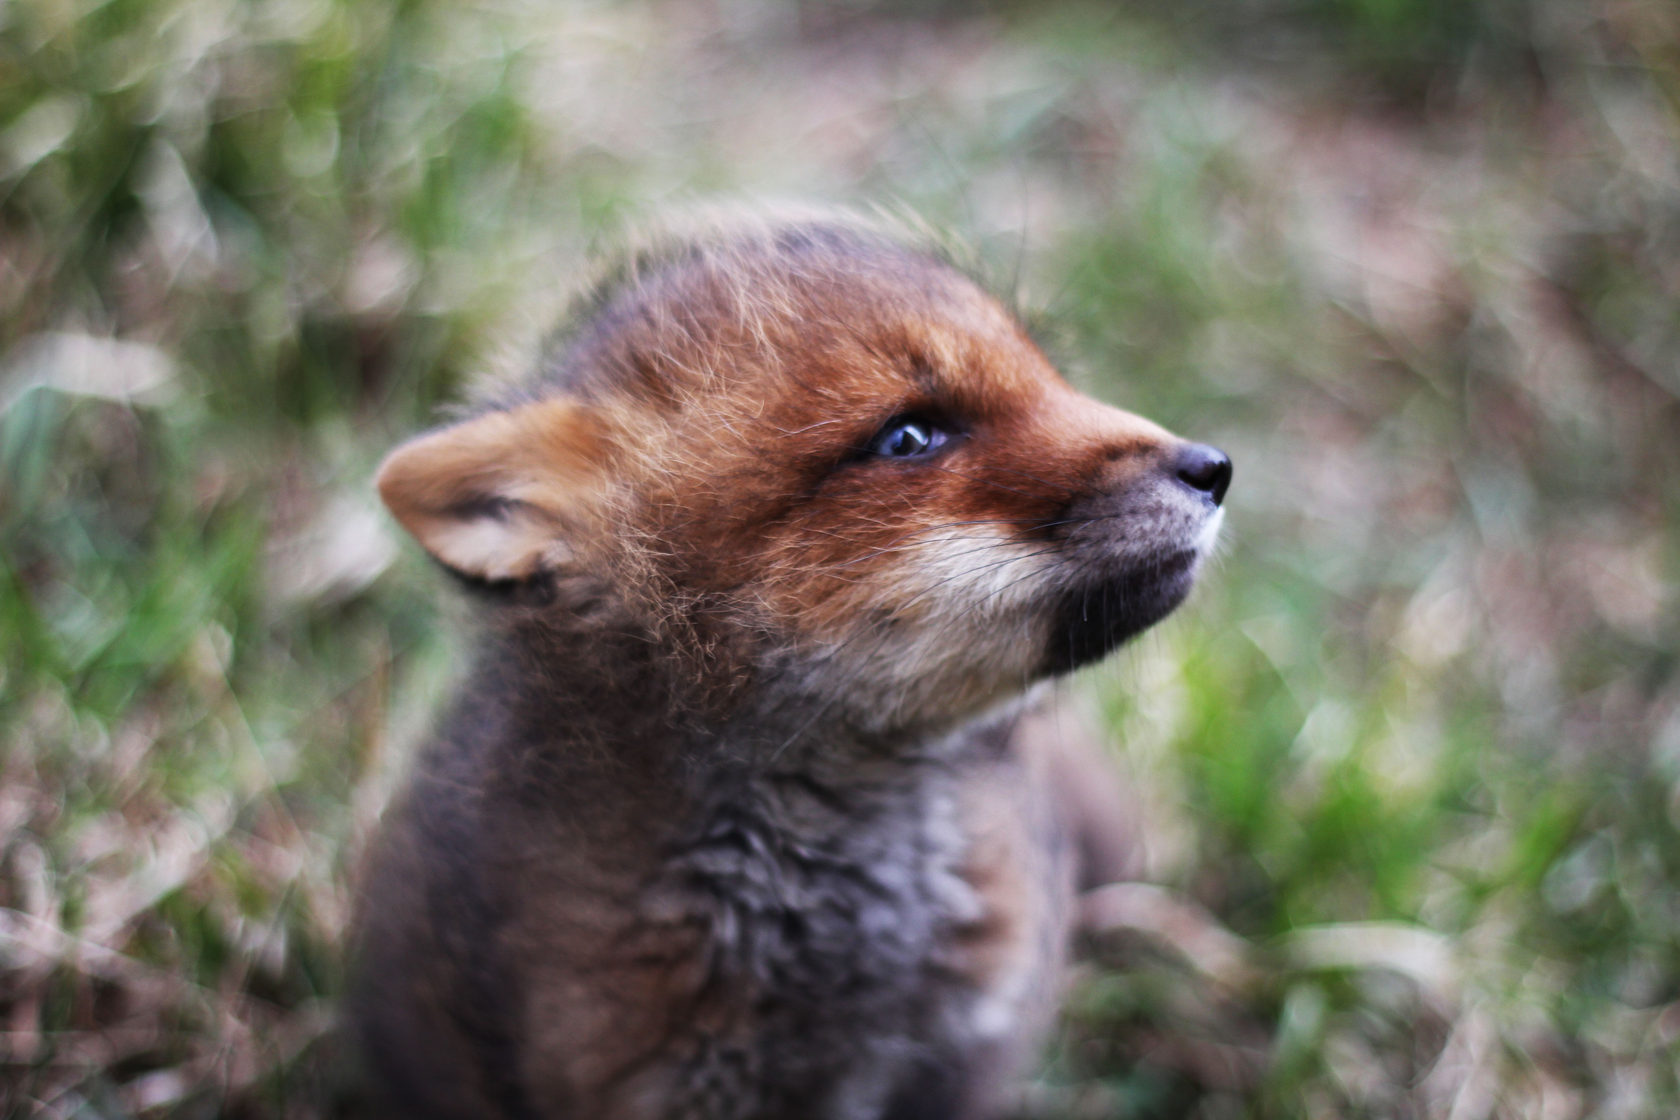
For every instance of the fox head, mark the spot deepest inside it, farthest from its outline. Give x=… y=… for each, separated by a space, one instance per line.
x=834 y=456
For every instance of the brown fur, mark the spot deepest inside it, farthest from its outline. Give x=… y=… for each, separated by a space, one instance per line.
x=734 y=818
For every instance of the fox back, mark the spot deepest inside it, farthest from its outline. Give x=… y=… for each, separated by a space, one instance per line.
x=740 y=812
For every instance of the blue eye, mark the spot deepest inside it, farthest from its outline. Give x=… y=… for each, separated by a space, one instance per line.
x=907 y=438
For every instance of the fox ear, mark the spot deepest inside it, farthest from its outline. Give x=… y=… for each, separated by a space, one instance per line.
x=491 y=497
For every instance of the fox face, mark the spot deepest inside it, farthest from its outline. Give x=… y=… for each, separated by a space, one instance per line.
x=836 y=465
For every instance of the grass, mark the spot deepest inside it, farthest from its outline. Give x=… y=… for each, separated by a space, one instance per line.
x=1408 y=767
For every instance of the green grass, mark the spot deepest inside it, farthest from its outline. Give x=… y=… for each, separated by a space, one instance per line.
x=1412 y=754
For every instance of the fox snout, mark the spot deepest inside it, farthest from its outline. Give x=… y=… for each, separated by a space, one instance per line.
x=1136 y=549
x=1139 y=510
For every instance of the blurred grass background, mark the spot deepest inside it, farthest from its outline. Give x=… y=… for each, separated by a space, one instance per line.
x=1408 y=767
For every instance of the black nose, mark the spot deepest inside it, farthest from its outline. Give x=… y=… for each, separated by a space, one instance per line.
x=1204 y=468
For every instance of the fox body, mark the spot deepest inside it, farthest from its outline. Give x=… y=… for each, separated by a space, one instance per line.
x=740 y=813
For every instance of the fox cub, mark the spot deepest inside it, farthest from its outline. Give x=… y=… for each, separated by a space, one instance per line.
x=740 y=814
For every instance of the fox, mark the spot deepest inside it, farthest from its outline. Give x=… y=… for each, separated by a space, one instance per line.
x=749 y=807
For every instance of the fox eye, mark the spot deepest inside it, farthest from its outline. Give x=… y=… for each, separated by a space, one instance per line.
x=907 y=437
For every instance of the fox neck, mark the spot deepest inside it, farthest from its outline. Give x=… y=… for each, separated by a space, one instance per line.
x=701 y=700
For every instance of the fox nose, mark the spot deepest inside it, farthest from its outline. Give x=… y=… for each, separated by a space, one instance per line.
x=1204 y=468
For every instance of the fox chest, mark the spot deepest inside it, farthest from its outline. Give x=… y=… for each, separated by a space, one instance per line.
x=823 y=975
